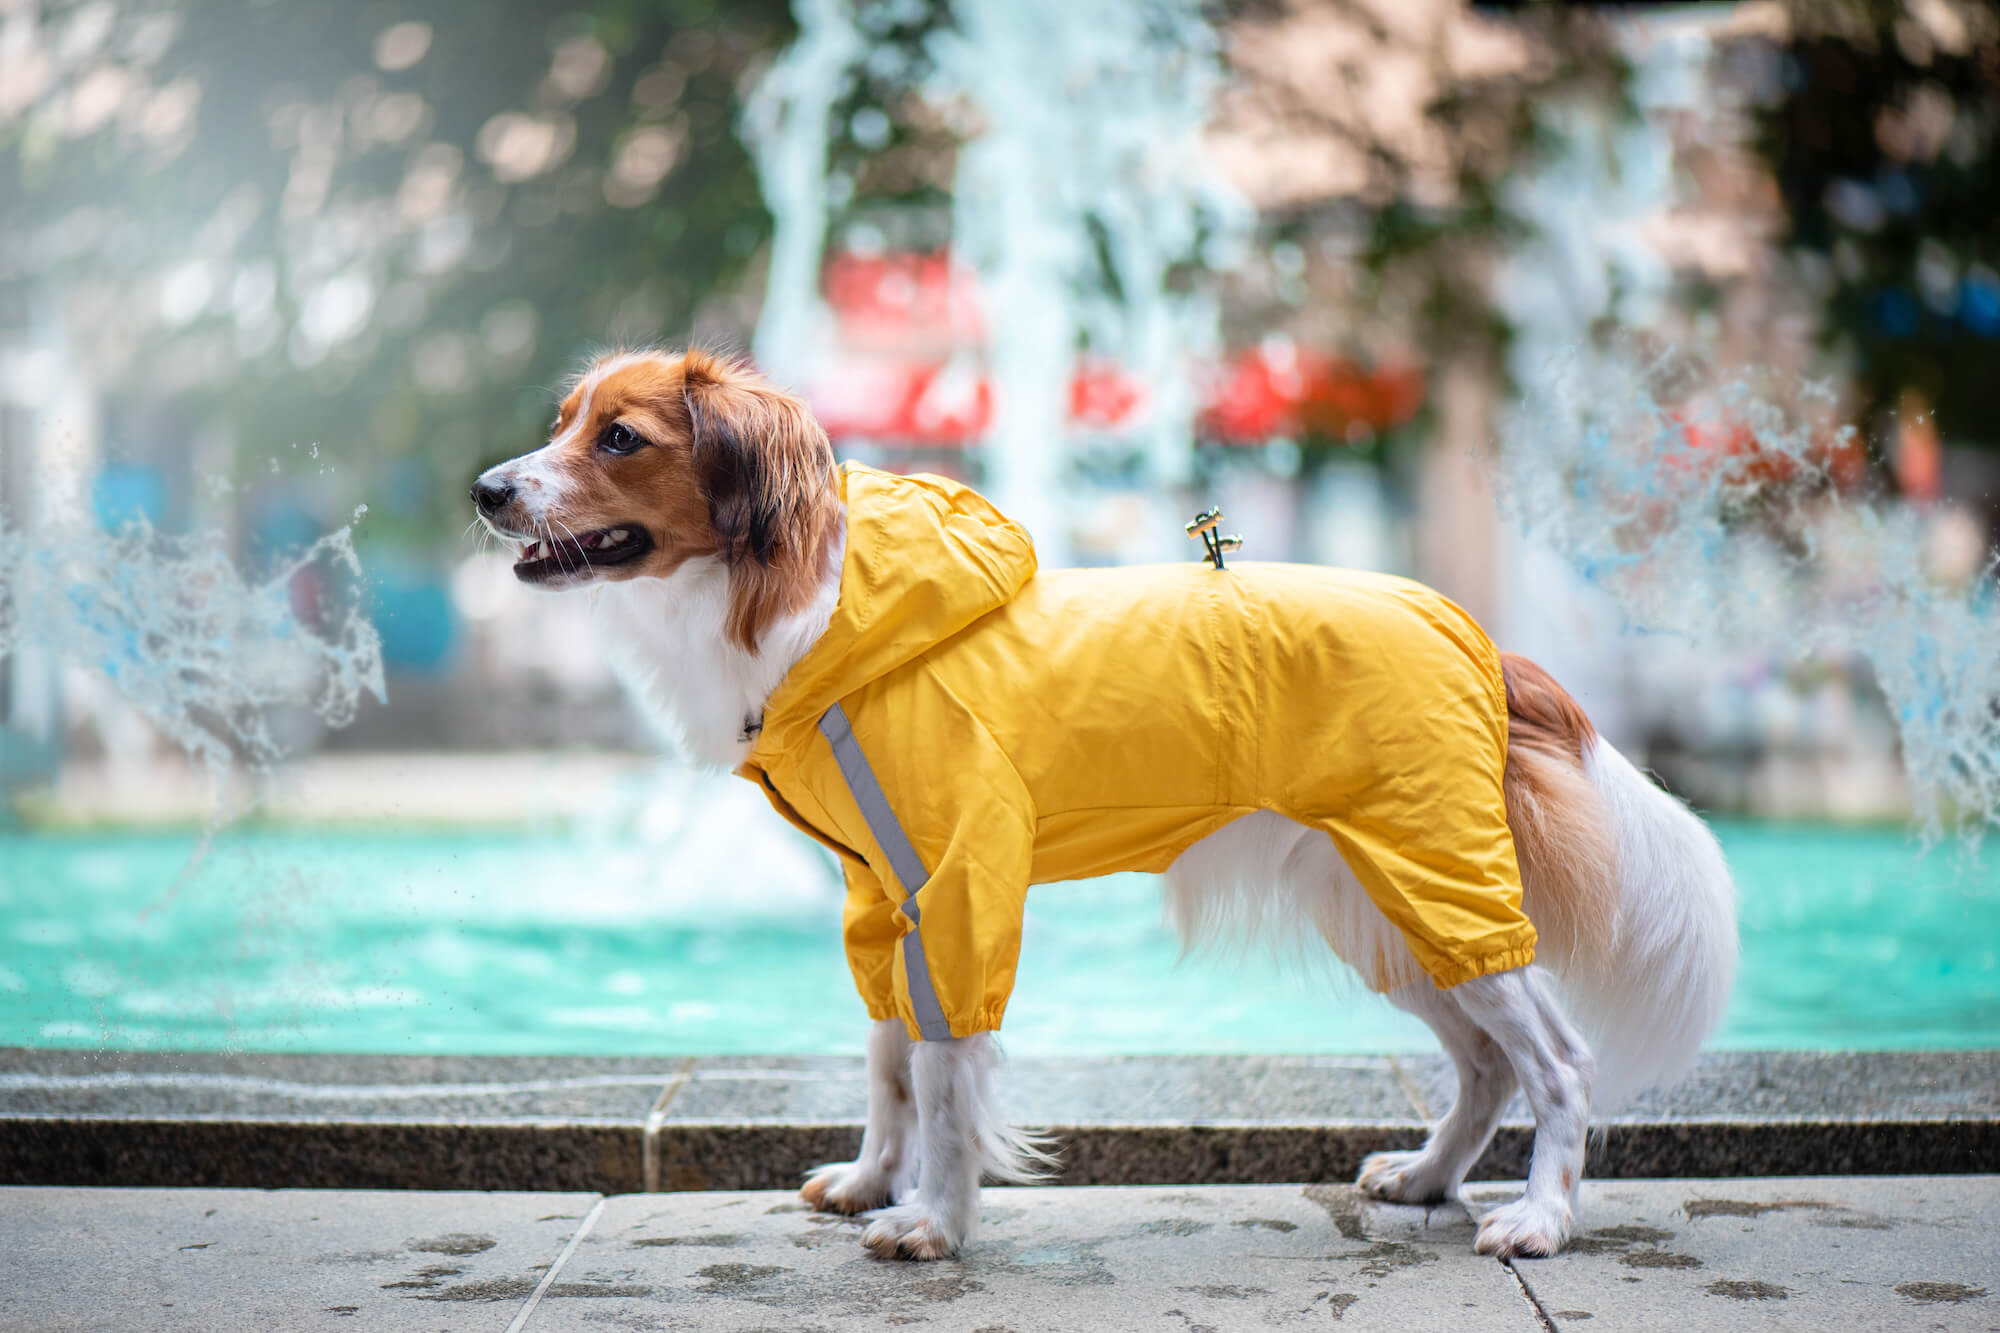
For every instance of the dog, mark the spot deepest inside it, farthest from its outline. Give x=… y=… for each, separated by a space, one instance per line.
x=1304 y=753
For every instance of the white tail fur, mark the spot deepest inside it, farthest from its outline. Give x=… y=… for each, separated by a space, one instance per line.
x=1648 y=996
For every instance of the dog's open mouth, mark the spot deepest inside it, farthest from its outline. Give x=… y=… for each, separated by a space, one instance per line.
x=570 y=557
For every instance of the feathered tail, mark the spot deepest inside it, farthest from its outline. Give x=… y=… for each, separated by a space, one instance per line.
x=1627 y=889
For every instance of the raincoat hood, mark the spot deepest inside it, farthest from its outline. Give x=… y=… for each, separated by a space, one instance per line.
x=926 y=557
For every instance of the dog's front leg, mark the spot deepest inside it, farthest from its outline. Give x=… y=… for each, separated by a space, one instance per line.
x=952 y=1101
x=886 y=1169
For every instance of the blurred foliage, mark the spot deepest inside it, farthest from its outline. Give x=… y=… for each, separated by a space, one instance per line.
x=1402 y=258
x=370 y=225
x=1438 y=254
x=1883 y=130
x=892 y=152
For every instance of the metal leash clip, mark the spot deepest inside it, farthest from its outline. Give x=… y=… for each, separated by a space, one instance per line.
x=1204 y=526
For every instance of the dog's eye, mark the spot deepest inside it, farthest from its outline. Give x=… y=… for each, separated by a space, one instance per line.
x=620 y=439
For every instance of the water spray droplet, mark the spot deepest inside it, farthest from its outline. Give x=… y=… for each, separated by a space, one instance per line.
x=1721 y=507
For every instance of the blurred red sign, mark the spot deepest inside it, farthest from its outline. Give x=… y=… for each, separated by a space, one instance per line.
x=909 y=369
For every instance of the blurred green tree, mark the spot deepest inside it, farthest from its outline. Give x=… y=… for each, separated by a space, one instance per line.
x=370 y=225
x=1882 y=128
x=1391 y=144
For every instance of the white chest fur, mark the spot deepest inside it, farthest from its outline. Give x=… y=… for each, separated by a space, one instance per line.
x=665 y=639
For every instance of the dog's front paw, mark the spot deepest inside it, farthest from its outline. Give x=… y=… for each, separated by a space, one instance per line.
x=1525 y=1228
x=1401 y=1177
x=846 y=1187
x=911 y=1231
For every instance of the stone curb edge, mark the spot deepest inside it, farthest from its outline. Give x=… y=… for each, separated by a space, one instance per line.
x=721 y=1155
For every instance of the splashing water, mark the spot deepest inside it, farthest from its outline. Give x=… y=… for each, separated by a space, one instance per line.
x=786 y=122
x=1708 y=507
x=1082 y=200
x=1093 y=112
x=209 y=655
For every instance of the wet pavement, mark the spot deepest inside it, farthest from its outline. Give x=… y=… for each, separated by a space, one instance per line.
x=1909 y=1252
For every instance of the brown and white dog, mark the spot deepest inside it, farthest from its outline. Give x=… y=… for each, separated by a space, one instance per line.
x=699 y=502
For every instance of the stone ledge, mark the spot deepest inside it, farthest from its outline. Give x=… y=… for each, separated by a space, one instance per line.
x=323 y=1154
x=130 y=1118
x=722 y=1155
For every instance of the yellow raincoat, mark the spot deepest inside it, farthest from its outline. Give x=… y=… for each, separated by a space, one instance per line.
x=966 y=728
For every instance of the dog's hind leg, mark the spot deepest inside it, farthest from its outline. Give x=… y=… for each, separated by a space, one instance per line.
x=886 y=1168
x=1485 y=1082
x=1556 y=1071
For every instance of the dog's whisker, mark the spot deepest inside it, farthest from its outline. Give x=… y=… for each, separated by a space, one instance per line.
x=569 y=567
x=579 y=545
x=555 y=547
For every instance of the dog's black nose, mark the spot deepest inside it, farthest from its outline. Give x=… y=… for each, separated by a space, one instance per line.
x=491 y=496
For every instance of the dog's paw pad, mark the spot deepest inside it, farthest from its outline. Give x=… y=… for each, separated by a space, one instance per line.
x=1399 y=1177
x=844 y=1187
x=908 y=1232
x=1523 y=1229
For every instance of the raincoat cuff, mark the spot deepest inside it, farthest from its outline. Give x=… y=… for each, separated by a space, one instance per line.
x=1502 y=953
x=984 y=1019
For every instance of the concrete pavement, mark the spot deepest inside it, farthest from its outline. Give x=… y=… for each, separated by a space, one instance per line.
x=1919 y=1252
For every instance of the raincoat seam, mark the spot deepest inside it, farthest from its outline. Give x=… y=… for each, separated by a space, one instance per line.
x=1258 y=681
x=1217 y=676
x=1247 y=808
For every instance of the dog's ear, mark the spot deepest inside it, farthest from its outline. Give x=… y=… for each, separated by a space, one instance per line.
x=765 y=469
x=760 y=459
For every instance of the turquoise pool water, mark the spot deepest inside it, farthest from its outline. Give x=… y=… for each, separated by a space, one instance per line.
x=488 y=943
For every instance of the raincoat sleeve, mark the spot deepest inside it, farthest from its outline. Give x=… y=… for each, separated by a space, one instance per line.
x=870 y=929
x=953 y=829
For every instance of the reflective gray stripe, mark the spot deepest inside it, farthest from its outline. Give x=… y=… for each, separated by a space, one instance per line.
x=903 y=859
